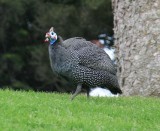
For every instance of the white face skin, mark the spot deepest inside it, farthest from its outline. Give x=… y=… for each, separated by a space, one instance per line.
x=51 y=35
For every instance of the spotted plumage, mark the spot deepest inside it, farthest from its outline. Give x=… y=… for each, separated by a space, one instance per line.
x=82 y=62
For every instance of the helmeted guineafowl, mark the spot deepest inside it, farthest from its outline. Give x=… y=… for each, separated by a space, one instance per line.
x=82 y=62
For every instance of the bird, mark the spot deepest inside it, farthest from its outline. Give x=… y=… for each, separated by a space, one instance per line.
x=81 y=62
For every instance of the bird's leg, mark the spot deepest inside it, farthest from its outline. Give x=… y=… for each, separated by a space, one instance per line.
x=78 y=90
x=88 y=90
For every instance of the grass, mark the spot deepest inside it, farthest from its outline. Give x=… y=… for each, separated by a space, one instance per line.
x=29 y=111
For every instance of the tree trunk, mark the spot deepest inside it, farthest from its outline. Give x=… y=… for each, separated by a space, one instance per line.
x=137 y=38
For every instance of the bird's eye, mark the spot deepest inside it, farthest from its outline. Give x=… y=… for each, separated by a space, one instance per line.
x=52 y=33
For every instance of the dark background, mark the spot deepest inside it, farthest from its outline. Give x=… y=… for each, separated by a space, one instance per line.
x=24 y=62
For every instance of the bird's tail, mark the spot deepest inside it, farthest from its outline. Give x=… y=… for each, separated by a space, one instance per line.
x=116 y=90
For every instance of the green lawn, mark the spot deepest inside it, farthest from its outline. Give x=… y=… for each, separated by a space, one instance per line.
x=29 y=111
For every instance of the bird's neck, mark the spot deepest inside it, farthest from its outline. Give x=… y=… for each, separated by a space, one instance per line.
x=59 y=41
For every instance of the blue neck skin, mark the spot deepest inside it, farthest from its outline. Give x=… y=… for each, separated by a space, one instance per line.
x=52 y=41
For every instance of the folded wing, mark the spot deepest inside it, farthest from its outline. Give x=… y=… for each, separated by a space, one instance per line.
x=90 y=55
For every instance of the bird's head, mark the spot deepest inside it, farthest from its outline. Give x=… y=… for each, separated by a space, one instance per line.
x=51 y=36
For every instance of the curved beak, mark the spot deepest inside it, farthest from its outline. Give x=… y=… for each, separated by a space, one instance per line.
x=46 y=40
x=47 y=37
